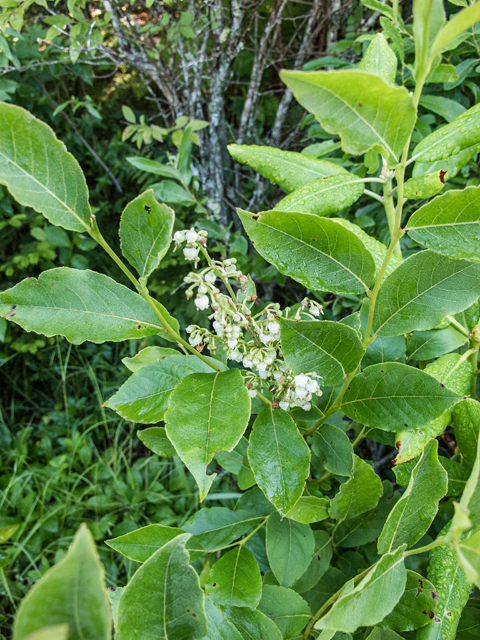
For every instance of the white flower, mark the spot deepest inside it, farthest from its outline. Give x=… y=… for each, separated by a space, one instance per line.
x=210 y=277
x=190 y=253
x=191 y=236
x=307 y=407
x=277 y=375
x=268 y=360
x=265 y=338
x=236 y=331
x=262 y=374
x=315 y=311
x=232 y=343
x=284 y=405
x=218 y=327
x=179 y=237
x=252 y=393
x=273 y=327
x=230 y=269
x=195 y=340
x=202 y=302
x=312 y=386
x=300 y=392
x=261 y=366
x=247 y=363
x=301 y=380
x=234 y=355
x=190 y=328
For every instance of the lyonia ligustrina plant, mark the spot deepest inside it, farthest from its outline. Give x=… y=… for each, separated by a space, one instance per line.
x=317 y=545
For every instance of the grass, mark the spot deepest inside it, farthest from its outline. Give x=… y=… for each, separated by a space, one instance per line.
x=66 y=460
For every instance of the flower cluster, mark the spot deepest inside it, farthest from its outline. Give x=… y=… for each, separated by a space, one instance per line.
x=252 y=339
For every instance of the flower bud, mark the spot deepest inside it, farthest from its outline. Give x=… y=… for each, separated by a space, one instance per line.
x=315 y=311
x=274 y=327
x=312 y=386
x=247 y=363
x=179 y=237
x=284 y=405
x=232 y=343
x=210 y=277
x=252 y=393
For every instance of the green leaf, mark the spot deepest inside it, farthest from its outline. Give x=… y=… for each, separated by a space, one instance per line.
x=235 y=580
x=469 y=625
x=392 y=395
x=279 y=458
x=383 y=634
x=172 y=192
x=39 y=172
x=331 y=349
x=457 y=474
x=322 y=554
x=151 y=166
x=286 y=608
x=219 y=526
x=309 y=509
x=450 y=224
x=413 y=514
x=163 y=599
x=7 y=532
x=155 y=439
x=73 y=592
x=207 y=412
x=422 y=291
x=80 y=305
x=288 y=169
x=448 y=109
x=466 y=424
x=416 y=606
x=454 y=27
x=451 y=164
x=426 y=345
x=251 y=624
x=147 y=356
x=146 y=232
x=57 y=632
x=385 y=349
x=314 y=251
x=333 y=447
x=471 y=494
x=371 y=599
x=468 y=552
x=453 y=591
x=428 y=18
x=290 y=546
x=141 y=544
x=367 y=526
x=323 y=196
x=379 y=59
x=462 y=133
x=425 y=186
x=377 y=250
x=365 y=111
x=411 y=443
x=219 y=628
x=359 y=494
x=144 y=396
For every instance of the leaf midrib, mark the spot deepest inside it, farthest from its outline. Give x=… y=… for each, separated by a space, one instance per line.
x=44 y=188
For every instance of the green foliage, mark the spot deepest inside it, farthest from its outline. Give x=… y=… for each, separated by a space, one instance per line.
x=287 y=404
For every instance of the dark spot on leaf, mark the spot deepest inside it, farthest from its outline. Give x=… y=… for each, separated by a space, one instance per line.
x=214 y=584
x=13 y=307
x=147 y=209
x=398 y=444
x=194 y=615
x=442 y=385
x=434 y=595
x=431 y=615
x=421 y=583
x=437 y=619
x=442 y=176
x=424 y=612
x=314 y=238
x=318 y=558
x=405 y=425
x=112 y=588
x=360 y=104
x=449 y=614
x=188 y=610
x=139 y=326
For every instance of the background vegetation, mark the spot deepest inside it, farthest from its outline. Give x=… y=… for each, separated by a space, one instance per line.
x=119 y=81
